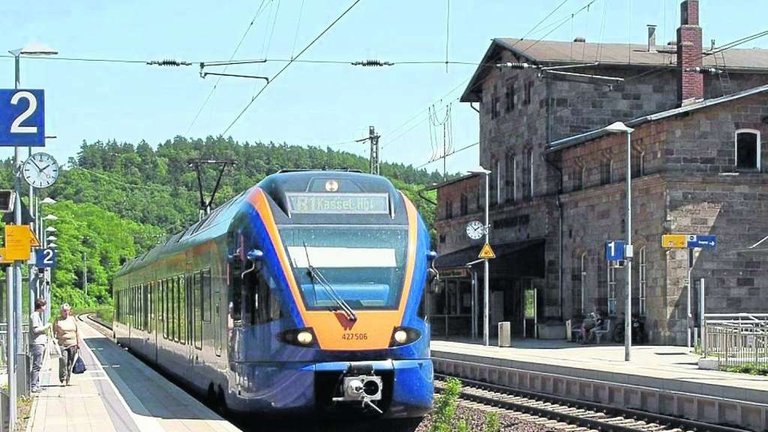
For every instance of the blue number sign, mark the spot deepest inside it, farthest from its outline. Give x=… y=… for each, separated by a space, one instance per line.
x=45 y=258
x=22 y=118
x=614 y=250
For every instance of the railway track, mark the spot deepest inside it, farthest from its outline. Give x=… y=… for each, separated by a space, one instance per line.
x=569 y=414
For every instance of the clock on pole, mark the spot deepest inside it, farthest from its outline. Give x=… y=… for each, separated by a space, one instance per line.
x=40 y=170
x=475 y=230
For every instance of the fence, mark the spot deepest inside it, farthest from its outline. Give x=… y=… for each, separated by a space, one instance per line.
x=4 y=342
x=737 y=339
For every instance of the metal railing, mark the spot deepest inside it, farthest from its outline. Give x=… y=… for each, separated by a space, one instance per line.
x=736 y=339
x=4 y=342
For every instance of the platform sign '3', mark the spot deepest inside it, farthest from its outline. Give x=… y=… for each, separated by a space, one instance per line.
x=22 y=118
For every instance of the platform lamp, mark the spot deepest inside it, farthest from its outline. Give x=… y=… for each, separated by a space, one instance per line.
x=45 y=239
x=486 y=289
x=620 y=127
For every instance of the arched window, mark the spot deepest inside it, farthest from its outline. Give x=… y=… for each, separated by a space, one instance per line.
x=530 y=172
x=747 y=149
x=583 y=282
x=605 y=171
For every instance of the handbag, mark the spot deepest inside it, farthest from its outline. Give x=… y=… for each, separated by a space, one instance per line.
x=79 y=366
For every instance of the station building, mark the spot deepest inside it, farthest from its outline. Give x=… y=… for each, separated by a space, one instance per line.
x=558 y=184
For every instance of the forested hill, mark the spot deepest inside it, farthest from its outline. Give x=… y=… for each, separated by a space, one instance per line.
x=158 y=187
x=117 y=200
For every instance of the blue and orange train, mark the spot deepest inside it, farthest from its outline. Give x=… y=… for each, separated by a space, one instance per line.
x=302 y=294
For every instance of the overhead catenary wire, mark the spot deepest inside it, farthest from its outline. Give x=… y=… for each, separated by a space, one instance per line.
x=234 y=53
x=256 y=96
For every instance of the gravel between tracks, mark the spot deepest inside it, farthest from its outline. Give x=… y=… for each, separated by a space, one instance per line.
x=475 y=418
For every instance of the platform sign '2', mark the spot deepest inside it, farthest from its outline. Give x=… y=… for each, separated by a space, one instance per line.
x=22 y=118
x=45 y=258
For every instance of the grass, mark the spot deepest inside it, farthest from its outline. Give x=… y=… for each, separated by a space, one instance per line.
x=748 y=368
x=444 y=415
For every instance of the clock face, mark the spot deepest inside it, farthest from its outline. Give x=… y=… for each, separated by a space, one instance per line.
x=475 y=230
x=40 y=170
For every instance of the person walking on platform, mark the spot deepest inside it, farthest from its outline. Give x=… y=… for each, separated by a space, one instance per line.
x=69 y=339
x=38 y=342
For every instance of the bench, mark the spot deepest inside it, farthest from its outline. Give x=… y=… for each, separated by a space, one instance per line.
x=600 y=333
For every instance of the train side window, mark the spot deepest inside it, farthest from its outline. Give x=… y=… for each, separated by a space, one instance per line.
x=259 y=299
x=206 y=294
x=174 y=299
x=235 y=292
x=197 y=310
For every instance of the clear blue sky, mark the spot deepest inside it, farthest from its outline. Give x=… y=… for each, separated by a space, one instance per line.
x=309 y=104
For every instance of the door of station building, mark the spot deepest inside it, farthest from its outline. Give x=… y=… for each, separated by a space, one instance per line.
x=530 y=310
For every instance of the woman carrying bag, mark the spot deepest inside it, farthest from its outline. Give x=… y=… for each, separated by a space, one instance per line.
x=69 y=339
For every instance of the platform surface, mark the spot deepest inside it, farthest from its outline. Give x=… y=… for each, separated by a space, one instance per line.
x=665 y=367
x=117 y=393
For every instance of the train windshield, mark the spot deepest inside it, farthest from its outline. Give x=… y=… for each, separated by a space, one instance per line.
x=341 y=266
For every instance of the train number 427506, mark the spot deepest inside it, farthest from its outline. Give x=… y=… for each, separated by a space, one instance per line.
x=355 y=336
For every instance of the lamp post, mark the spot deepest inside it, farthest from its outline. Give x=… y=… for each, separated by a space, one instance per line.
x=619 y=127
x=18 y=373
x=45 y=240
x=486 y=289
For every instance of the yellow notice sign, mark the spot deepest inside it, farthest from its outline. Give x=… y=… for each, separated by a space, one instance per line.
x=2 y=257
x=487 y=252
x=674 y=241
x=18 y=242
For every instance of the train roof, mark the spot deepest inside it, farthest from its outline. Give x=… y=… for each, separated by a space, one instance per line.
x=276 y=186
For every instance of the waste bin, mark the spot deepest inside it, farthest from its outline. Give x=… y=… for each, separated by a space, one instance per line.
x=505 y=334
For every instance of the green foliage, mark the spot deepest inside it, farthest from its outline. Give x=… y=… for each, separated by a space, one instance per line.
x=445 y=407
x=492 y=422
x=748 y=368
x=93 y=238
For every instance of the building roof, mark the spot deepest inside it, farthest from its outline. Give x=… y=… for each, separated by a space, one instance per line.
x=589 y=136
x=548 y=53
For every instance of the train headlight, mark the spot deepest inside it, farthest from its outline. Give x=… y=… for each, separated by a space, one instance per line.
x=303 y=337
x=400 y=336
x=403 y=336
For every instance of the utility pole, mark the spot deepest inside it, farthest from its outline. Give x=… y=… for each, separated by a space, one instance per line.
x=85 y=273
x=374 y=161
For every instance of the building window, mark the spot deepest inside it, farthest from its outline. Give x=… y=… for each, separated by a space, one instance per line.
x=464 y=204
x=748 y=149
x=527 y=98
x=499 y=184
x=511 y=176
x=509 y=97
x=448 y=209
x=605 y=171
x=637 y=164
x=611 y=290
x=442 y=238
x=479 y=194
x=579 y=284
x=530 y=172
x=578 y=178
x=642 y=282
x=494 y=182
x=494 y=107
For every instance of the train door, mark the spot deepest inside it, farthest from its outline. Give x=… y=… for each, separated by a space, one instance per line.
x=218 y=325
x=190 y=318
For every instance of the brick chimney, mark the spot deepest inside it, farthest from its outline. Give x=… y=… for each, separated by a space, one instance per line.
x=689 y=51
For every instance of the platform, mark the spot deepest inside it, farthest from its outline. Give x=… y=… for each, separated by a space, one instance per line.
x=117 y=393
x=663 y=379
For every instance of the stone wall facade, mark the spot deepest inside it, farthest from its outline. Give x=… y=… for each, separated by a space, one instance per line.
x=689 y=184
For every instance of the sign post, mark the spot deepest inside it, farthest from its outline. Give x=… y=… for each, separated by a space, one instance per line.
x=22 y=124
x=690 y=242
